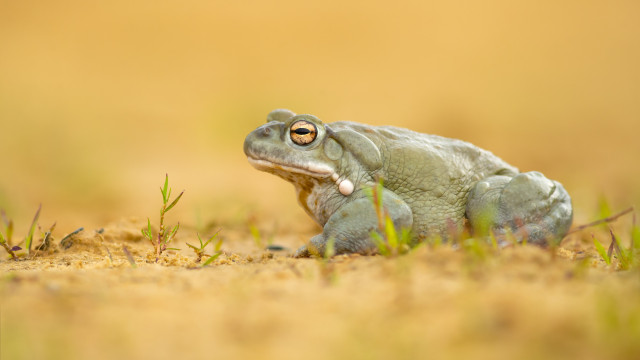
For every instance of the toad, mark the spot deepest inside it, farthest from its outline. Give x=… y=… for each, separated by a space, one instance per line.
x=432 y=184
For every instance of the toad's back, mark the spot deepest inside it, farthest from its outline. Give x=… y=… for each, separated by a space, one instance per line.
x=432 y=174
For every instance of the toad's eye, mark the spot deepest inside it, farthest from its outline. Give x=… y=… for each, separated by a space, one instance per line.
x=303 y=132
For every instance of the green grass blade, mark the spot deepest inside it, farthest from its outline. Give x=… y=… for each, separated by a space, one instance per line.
x=147 y=232
x=174 y=202
x=392 y=235
x=218 y=245
x=9 y=231
x=604 y=209
x=601 y=250
x=163 y=189
x=493 y=240
x=130 y=258
x=255 y=233
x=172 y=234
x=330 y=248
x=406 y=236
x=199 y=239
x=32 y=230
x=383 y=249
x=211 y=239
x=623 y=257
x=211 y=259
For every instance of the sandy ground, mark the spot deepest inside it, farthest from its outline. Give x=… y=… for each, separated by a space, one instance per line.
x=521 y=302
x=99 y=100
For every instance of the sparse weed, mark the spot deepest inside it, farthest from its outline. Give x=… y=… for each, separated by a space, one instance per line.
x=626 y=258
x=29 y=239
x=5 y=239
x=130 y=258
x=263 y=241
x=163 y=237
x=327 y=267
x=601 y=250
x=387 y=239
x=256 y=235
x=200 y=251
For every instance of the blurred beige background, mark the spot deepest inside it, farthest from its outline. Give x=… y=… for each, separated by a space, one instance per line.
x=99 y=99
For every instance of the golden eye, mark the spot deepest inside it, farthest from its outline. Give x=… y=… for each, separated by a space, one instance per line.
x=303 y=132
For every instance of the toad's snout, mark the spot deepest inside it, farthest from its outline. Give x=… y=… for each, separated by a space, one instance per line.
x=265 y=134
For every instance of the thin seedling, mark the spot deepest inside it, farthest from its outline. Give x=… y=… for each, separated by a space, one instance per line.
x=606 y=256
x=386 y=238
x=259 y=238
x=216 y=254
x=327 y=268
x=29 y=239
x=200 y=251
x=5 y=241
x=256 y=235
x=6 y=244
x=163 y=237
x=130 y=258
x=627 y=258
x=110 y=257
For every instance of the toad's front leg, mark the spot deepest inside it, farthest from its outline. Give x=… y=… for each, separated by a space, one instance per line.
x=351 y=225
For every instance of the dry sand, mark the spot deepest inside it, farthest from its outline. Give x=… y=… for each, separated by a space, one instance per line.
x=520 y=302
x=99 y=101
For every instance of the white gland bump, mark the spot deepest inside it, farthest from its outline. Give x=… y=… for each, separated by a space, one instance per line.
x=346 y=187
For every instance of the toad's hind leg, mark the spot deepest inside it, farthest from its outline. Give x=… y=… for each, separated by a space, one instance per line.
x=527 y=205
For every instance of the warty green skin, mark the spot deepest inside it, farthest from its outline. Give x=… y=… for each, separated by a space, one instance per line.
x=433 y=185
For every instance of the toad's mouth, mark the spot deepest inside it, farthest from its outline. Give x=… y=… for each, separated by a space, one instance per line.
x=310 y=169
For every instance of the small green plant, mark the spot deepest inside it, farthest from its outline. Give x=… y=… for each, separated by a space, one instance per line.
x=5 y=240
x=601 y=250
x=627 y=258
x=256 y=235
x=327 y=267
x=262 y=240
x=200 y=251
x=477 y=248
x=387 y=239
x=163 y=237
x=29 y=239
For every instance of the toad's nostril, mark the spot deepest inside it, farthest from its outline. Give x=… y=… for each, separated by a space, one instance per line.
x=264 y=132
